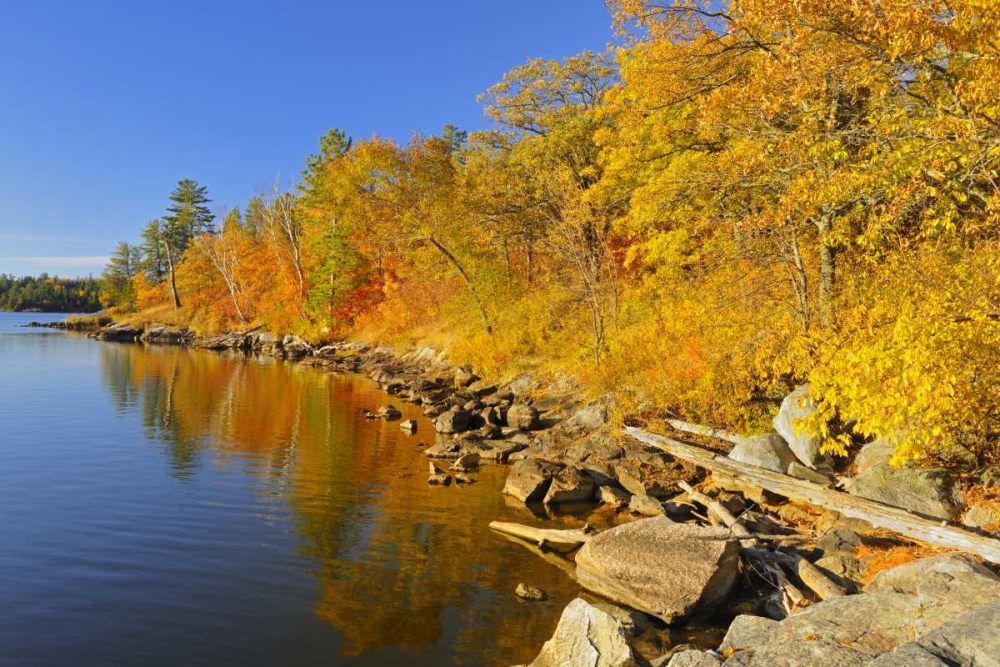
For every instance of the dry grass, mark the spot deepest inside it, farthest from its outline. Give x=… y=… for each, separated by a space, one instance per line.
x=879 y=554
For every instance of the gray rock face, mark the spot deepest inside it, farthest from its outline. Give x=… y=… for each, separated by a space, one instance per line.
x=389 y=413
x=646 y=506
x=768 y=451
x=982 y=516
x=452 y=421
x=569 y=485
x=971 y=640
x=874 y=453
x=529 y=480
x=693 y=567
x=695 y=658
x=586 y=637
x=899 y=605
x=797 y=405
x=410 y=426
x=466 y=463
x=932 y=492
x=522 y=416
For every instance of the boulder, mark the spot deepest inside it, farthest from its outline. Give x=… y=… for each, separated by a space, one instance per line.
x=693 y=568
x=452 y=421
x=529 y=480
x=985 y=516
x=796 y=406
x=874 y=453
x=587 y=637
x=464 y=377
x=613 y=496
x=526 y=592
x=899 y=605
x=768 y=451
x=522 y=416
x=569 y=485
x=389 y=413
x=589 y=418
x=295 y=346
x=796 y=469
x=466 y=463
x=695 y=658
x=410 y=426
x=646 y=506
x=932 y=492
x=972 y=639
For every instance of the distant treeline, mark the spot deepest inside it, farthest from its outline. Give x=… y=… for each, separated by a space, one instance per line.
x=49 y=293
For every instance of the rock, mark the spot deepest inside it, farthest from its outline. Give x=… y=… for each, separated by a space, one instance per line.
x=932 y=492
x=529 y=480
x=590 y=418
x=796 y=469
x=596 y=447
x=464 y=377
x=989 y=477
x=646 y=506
x=466 y=463
x=897 y=606
x=389 y=413
x=444 y=449
x=492 y=416
x=410 y=426
x=635 y=482
x=603 y=475
x=452 y=421
x=438 y=478
x=462 y=478
x=874 y=453
x=768 y=451
x=839 y=542
x=984 y=516
x=613 y=496
x=569 y=485
x=526 y=592
x=970 y=640
x=586 y=637
x=695 y=658
x=693 y=568
x=796 y=406
x=295 y=346
x=522 y=416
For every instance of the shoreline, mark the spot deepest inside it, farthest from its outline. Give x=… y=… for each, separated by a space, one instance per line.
x=565 y=455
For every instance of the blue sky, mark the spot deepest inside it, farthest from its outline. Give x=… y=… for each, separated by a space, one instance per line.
x=105 y=105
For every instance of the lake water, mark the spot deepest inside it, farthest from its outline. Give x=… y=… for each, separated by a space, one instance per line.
x=160 y=506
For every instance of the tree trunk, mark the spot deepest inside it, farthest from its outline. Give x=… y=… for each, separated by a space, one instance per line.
x=468 y=282
x=173 y=280
x=827 y=271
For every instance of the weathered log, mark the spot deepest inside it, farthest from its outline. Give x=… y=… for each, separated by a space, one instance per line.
x=562 y=541
x=810 y=575
x=717 y=508
x=917 y=528
x=698 y=429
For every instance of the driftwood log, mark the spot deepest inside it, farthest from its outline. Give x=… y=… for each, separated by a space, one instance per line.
x=698 y=429
x=561 y=541
x=917 y=528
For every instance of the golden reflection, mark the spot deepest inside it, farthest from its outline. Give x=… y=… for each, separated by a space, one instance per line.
x=400 y=564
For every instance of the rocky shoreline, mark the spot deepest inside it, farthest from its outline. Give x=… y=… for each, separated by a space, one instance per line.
x=790 y=578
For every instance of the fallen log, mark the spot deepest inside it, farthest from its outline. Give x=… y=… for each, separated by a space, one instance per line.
x=917 y=528
x=698 y=429
x=562 y=541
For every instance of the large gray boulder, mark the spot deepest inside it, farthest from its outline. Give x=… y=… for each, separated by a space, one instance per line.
x=898 y=606
x=529 y=480
x=874 y=453
x=570 y=485
x=768 y=451
x=587 y=637
x=452 y=421
x=931 y=492
x=660 y=567
x=971 y=640
x=796 y=406
x=522 y=416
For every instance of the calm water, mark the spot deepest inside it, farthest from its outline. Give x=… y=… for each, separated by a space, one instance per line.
x=168 y=507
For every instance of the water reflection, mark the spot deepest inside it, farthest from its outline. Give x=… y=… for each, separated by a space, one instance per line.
x=400 y=565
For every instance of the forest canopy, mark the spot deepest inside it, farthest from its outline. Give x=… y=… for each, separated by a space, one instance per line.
x=736 y=198
x=49 y=294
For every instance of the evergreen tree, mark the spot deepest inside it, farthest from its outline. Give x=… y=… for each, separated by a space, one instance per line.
x=116 y=281
x=187 y=216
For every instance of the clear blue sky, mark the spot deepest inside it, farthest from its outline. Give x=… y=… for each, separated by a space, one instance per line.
x=105 y=105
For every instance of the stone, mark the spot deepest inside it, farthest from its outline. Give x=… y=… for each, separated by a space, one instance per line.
x=452 y=421
x=409 y=425
x=694 y=567
x=586 y=637
x=768 y=451
x=935 y=493
x=797 y=406
x=646 y=506
x=464 y=377
x=589 y=418
x=569 y=485
x=389 y=413
x=695 y=658
x=466 y=463
x=492 y=416
x=989 y=477
x=899 y=605
x=985 y=516
x=635 y=482
x=874 y=453
x=529 y=480
x=613 y=496
x=799 y=471
x=522 y=416
x=839 y=542
x=444 y=449
x=526 y=592
x=970 y=640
